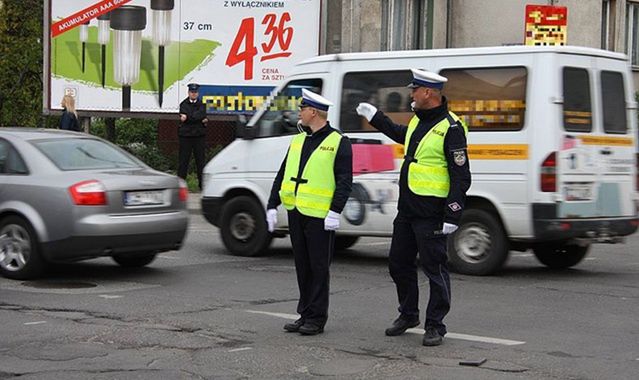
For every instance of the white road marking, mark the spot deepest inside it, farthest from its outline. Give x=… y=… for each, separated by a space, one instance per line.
x=376 y=243
x=109 y=296
x=590 y=258
x=241 y=349
x=472 y=338
x=35 y=323
x=168 y=257
x=522 y=255
x=279 y=315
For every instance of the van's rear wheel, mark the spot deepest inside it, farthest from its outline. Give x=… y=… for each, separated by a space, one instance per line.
x=243 y=227
x=479 y=247
x=560 y=255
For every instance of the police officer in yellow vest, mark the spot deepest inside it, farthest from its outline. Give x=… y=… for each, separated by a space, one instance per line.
x=434 y=178
x=313 y=183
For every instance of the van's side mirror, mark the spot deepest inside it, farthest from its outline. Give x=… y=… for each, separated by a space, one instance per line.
x=242 y=130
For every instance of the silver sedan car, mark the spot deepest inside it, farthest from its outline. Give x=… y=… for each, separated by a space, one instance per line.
x=67 y=196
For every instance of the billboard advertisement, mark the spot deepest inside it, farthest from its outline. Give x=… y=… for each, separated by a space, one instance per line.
x=137 y=56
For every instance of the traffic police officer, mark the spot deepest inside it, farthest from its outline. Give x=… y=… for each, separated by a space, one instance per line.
x=192 y=133
x=434 y=178
x=313 y=183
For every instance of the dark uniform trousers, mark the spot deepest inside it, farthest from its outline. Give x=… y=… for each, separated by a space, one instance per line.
x=313 y=249
x=412 y=235
x=188 y=144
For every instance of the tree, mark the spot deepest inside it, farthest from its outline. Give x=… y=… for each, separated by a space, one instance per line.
x=21 y=62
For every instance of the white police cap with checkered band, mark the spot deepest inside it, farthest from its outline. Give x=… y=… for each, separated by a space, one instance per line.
x=423 y=78
x=311 y=99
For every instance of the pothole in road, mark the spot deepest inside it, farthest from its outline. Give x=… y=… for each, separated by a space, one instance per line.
x=59 y=284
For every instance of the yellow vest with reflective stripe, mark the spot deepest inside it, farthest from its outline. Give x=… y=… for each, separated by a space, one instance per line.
x=428 y=175
x=314 y=197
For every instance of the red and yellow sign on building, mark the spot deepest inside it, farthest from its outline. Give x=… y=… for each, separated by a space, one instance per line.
x=546 y=25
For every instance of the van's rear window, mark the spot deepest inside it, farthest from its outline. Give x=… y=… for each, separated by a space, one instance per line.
x=577 y=100
x=613 y=96
x=490 y=99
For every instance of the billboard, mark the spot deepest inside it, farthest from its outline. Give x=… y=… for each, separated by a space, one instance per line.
x=137 y=56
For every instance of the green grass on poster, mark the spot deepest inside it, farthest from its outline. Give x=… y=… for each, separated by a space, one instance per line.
x=180 y=58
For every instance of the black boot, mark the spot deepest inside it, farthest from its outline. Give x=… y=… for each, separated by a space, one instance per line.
x=432 y=337
x=401 y=324
x=295 y=326
x=310 y=328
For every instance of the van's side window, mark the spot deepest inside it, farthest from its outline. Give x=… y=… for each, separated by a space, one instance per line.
x=385 y=89
x=577 y=100
x=613 y=96
x=282 y=113
x=490 y=99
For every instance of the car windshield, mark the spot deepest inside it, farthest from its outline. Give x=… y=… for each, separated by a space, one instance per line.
x=83 y=154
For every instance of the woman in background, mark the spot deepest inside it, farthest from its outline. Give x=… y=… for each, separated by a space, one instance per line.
x=69 y=119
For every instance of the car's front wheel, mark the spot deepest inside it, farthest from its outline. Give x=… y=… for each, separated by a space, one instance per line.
x=20 y=257
x=243 y=227
x=134 y=261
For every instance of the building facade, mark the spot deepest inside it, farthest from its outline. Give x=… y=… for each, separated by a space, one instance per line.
x=380 y=25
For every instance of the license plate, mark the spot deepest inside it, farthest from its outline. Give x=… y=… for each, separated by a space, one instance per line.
x=578 y=192
x=143 y=198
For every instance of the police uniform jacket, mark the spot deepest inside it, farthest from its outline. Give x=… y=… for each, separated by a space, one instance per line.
x=193 y=125
x=343 y=169
x=412 y=205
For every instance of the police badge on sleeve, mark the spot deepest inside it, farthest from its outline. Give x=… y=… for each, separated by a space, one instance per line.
x=459 y=156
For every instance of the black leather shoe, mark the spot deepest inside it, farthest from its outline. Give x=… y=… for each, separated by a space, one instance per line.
x=311 y=329
x=432 y=337
x=295 y=326
x=400 y=325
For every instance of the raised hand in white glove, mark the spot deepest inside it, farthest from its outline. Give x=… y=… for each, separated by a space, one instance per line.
x=366 y=110
x=271 y=219
x=331 y=222
x=449 y=228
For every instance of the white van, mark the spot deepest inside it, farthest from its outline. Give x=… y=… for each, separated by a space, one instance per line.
x=552 y=149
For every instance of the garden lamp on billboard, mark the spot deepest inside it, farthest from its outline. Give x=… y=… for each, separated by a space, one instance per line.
x=161 y=14
x=103 y=39
x=84 y=37
x=127 y=23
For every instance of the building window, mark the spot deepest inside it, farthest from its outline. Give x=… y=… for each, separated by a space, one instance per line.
x=406 y=24
x=632 y=32
x=608 y=24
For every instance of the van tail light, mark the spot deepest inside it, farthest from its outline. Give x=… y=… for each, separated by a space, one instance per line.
x=88 y=193
x=549 y=173
x=184 y=191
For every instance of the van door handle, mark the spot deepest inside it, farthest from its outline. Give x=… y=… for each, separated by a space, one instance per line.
x=605 y=152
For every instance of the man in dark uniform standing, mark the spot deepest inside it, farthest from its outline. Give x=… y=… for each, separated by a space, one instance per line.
x=313 y=183
x=192 y=133
x=434 y=178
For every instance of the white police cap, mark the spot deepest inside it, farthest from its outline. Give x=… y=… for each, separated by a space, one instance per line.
x=311 y=99
x=423 y=78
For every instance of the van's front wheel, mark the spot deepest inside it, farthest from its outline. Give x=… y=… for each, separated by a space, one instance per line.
x=560 y=255
x=479 y=247
x=243 y=227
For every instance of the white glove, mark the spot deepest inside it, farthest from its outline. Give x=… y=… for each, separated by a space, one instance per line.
x=449 y=228
x=331 y=222
x=271 y=219
x=366 y=110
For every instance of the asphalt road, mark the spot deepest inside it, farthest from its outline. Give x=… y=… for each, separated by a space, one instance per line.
x=202 y=314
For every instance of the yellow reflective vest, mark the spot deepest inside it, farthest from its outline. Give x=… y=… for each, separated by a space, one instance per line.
x=316 y=187
x=428 y=169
